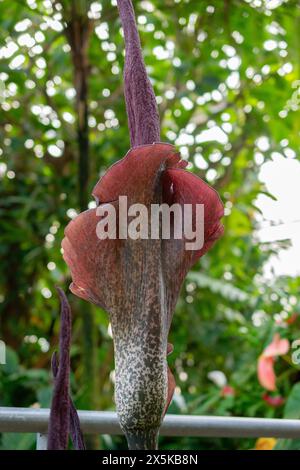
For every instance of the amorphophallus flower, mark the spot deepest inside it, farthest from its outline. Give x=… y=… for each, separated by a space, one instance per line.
x=265 y=366
x=137 y=280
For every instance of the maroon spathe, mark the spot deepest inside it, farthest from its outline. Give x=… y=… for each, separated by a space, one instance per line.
x=146 y=174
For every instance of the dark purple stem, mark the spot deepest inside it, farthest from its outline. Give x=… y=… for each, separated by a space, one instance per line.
x=75 y=430
x=142 y=112
x=59 y=422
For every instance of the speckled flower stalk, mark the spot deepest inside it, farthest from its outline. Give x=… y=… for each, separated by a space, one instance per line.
x=140 y=347
x=140 y=338
x=138 y=281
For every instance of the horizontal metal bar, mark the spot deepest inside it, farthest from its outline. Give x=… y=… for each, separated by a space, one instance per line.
x=106 y=422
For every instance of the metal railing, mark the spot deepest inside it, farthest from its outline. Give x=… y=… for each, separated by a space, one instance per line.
x=34 y=420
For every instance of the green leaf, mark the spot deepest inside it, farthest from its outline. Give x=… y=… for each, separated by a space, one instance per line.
x=292 y=406
x=15 y=441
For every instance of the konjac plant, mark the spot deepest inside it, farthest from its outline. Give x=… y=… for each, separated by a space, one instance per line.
x=137 y=281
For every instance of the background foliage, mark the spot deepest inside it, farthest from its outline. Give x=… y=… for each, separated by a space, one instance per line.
x=225 y=75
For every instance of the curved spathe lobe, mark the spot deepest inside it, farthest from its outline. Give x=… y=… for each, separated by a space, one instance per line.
x=137 y=175
x=100 y=267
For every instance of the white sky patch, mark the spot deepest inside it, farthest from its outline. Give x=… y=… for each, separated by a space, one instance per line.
x=229 y=50
x=7 y=51
x=281 y=218
x=200 y=161
x=275 y=28
x=23 y=25
x=285 y=69
x=53 y=24
x=161 y=53
x=17 y=62
x=184 y=139
x=26 y=40
x=102 y=31
x=55 y=151
x=68 y=117
x=215 y=133
x=270 y=45
x=233 y=81
x=272 y=4
x=227 y=127
x=187 y=103
x=216 y=96
x=234 y=63
x=263 y=143
x=95 y=11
